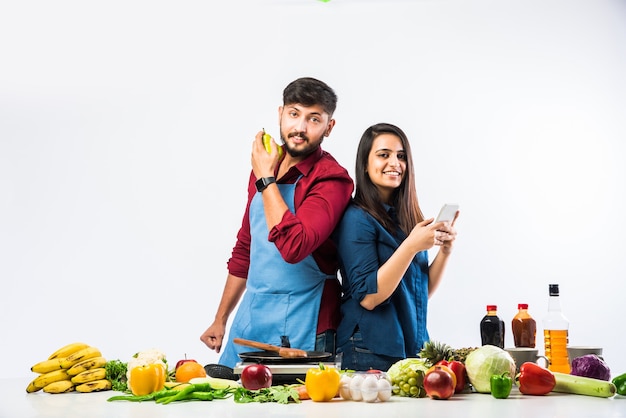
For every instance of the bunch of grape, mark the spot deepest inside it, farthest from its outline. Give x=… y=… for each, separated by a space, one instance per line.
x=409 y=383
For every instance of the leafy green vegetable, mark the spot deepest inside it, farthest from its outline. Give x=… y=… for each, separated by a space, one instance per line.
x=486 y=361
x=116 y=373
x=278 y=394
x=406 y=365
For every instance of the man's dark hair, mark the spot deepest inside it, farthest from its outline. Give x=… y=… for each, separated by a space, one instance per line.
x=309 y=91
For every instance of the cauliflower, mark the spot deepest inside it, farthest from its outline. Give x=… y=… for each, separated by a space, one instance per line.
x=144 y=358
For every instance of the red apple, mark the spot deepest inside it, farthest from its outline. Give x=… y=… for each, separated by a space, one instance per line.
x=185 y=360
x=256 y=376
x=439 y=383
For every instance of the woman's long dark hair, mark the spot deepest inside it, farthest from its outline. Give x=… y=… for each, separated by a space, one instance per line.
x=404 y=198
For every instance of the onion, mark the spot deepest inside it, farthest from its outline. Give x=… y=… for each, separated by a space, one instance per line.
x=486 y=361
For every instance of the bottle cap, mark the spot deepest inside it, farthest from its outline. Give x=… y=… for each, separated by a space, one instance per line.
x=492 y=307
x=554 y=290
x=522 y=306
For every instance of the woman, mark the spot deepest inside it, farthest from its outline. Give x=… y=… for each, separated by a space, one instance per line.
x=382 y=242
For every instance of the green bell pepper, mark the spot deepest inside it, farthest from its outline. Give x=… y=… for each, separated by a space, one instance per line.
x=620 y=384
x=501 y=385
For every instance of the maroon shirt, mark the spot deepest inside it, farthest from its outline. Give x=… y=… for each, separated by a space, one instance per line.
x=320 y=198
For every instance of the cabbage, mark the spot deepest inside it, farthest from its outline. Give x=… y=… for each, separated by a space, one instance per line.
x=406 y=365
x=590 y=365
x=486 y=361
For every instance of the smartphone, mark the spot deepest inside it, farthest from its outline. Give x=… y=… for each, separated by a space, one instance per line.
x=447 y=212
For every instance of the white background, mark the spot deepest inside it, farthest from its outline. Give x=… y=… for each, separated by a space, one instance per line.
x=125 y=134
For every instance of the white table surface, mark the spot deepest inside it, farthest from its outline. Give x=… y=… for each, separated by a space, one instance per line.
x=16 y=403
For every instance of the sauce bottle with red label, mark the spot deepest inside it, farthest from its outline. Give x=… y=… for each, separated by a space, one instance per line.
x=524 y=327
x=492 y=328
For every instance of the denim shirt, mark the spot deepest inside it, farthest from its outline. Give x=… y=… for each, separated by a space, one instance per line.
x=396 y=327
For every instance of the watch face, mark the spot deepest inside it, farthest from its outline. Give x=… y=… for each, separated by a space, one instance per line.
x=262 y=183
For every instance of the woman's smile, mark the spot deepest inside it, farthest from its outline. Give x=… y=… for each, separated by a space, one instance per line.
x=386 y=164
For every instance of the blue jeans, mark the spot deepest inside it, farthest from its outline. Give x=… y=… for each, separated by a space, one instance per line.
x=356 y=356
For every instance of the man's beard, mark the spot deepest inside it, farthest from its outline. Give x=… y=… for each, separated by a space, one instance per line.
x=304 y=151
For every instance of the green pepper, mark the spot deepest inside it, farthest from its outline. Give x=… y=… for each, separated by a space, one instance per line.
x=620 y=384
x=501 y=385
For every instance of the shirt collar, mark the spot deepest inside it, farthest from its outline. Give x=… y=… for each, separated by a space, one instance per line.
x=305 y=166
x=392 y=212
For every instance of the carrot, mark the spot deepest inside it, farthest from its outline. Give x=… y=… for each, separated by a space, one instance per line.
x=302 y=393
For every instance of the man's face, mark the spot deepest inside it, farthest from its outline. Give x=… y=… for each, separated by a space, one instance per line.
x=302 y=129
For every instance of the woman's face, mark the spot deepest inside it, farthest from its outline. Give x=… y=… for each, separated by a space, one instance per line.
x=386 y=164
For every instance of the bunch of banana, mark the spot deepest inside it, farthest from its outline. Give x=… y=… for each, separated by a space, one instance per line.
x=73 y=367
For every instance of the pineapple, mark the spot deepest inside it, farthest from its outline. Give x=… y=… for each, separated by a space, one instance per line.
x=435 y=351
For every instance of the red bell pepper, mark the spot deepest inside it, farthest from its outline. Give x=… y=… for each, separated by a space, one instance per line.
x=459 y=371
x=533 y=379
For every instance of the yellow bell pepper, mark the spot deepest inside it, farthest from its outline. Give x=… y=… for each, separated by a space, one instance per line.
x=322 y=383
x=145 y=380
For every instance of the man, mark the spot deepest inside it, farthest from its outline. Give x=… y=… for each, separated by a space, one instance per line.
x=283 y=263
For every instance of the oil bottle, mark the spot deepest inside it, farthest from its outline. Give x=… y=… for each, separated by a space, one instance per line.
x=555 y=333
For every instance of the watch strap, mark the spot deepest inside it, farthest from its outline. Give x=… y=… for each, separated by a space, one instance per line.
x=262 y=183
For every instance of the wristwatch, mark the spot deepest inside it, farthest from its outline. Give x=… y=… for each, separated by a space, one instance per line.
x=262 y=183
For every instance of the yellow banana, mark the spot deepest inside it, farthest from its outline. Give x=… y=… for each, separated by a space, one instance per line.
x=31 y=388
x=89 y=376
x=67 y=350
x=80 y=355
x=61 y=386
x=95 y=386
x=47 y=366
x=45 y=379
x=90 y=363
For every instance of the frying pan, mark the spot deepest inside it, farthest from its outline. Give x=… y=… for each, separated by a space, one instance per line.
x=272 y=357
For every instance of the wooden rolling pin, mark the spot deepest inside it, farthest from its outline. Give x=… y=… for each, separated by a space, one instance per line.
x=282 y=351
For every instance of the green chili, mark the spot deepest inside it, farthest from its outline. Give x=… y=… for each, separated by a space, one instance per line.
x=202 y=396
x=165 y=393
x=198 y=392
x=501 y=385
x=180 y=395
x=150 y=397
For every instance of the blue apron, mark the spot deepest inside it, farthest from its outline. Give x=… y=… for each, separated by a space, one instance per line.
x=281 y=299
